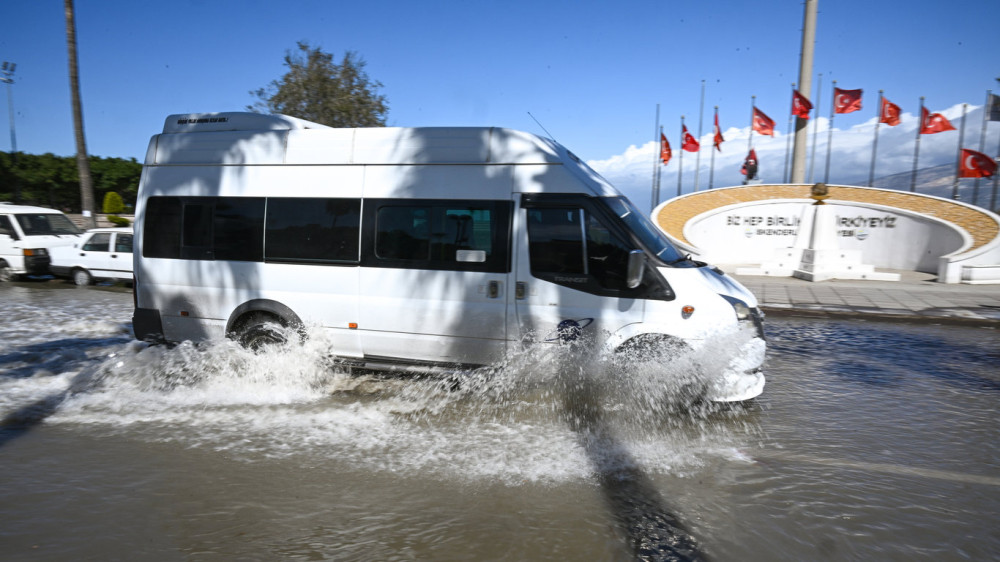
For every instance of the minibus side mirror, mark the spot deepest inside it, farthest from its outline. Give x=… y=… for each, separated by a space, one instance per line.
x=636 y=268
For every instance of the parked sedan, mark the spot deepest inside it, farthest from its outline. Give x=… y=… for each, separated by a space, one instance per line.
x=101 y=253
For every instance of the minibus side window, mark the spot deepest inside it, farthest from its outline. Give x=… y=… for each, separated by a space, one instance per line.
x=437 y=234
x=98 y=242
x=204 y=228
x=402 y=233
x=161 y=236
x=312 y=230
x=196 y=231
x=607 y=256
x=576 y=247
x=238 y=228
x=556 y=240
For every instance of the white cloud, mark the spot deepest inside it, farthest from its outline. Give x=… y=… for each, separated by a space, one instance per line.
x=850 y=155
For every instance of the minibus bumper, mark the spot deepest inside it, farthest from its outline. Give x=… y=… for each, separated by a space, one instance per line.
x=146 y=324
x=743 y=378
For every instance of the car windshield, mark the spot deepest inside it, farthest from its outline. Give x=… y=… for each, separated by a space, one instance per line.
x=641 y=226
x=34 y=224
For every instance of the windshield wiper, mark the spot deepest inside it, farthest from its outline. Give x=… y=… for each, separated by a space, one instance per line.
x=686 y=257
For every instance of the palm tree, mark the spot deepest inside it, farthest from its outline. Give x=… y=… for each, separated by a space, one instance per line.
x=82 y=163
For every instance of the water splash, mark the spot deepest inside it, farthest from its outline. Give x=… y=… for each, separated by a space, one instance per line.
x=546 y=413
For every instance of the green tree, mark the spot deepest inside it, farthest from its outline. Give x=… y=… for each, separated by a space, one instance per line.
x=113 y=203
x=317 y=89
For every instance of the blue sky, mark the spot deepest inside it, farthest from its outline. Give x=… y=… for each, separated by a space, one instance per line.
x=590 y=72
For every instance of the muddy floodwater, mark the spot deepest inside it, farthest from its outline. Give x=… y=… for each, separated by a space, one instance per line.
x=872 y=441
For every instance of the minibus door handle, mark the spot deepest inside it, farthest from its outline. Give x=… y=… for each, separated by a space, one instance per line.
x=494 y=289
x=520 y=290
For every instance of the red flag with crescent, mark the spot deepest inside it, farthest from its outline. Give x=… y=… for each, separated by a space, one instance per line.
x=750 y=162
x=846 y=101
x=690 y=143
x=934 y=123
x=801 y=106
x=665 y=153
x=889 y=113
x=718 y=140
x=762 y=123
x=976 y=165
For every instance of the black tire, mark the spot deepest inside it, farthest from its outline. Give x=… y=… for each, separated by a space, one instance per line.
x=82 y=277
x=6 y=273
x=260 y=332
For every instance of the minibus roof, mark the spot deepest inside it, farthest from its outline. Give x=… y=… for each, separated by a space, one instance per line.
x=251 y=138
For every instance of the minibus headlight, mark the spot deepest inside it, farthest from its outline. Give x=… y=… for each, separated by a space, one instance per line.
x=743 y=312
x=35 y=252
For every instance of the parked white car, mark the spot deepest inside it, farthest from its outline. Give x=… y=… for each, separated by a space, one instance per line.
x=101 y=253
x=26 y=236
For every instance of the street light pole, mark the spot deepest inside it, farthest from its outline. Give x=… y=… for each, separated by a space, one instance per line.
x=7 y=77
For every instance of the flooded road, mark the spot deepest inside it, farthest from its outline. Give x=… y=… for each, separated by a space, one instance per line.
x=871 y=441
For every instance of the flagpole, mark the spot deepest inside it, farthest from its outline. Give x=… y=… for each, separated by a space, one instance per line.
x=659 y=169
x=982 y=144
x=958 y=157
x=753 y=106
x=829 y=136
x=680 y=159
x=798 y=173
x=715 y=130
x=788 y=139
x=996 y=181
x=655 y=191
x=701 y=115
x=878 y=120
x=916 y=150
x=812 y=155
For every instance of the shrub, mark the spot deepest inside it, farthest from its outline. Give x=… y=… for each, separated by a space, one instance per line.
x=113 y=203
x=118 y=221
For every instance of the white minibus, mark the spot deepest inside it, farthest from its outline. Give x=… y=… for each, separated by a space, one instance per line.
x=27 y=234
x=413 y=248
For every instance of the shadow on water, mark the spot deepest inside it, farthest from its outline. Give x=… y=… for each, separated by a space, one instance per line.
x=53 y=355
x=21 y=421
x=649 y=526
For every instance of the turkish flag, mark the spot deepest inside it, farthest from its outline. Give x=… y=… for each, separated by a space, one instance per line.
x=718 y=134
x=762 y=123
x=800 y=105
x=749 y=168
x=846 y=101
x=976 y=165
x=934 y=123
x=690 y=143
x=889 y=113
x=665 y=153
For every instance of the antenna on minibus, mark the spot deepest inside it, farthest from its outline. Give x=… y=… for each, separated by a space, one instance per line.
x=551 y=136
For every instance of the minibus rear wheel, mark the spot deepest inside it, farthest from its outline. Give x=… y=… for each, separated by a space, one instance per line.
x=260 y=331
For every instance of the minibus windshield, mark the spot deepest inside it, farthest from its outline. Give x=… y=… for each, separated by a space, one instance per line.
x=641 y=226
x=34 y=224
